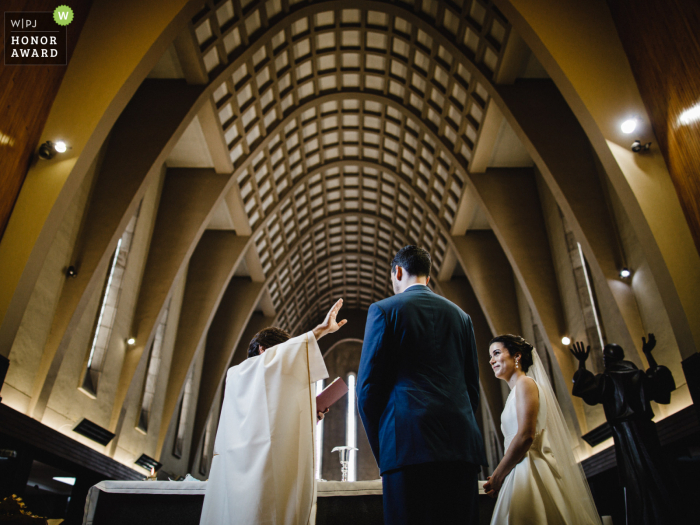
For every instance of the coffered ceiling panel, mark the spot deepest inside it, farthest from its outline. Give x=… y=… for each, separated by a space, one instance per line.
x=350 y=132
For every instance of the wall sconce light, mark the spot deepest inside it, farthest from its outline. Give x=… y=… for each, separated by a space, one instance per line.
x=565 y=341
x=71 y=271
x=130 y=341
x=49 y=149
x=629 y=125
x=625 y=273
x=637 y=146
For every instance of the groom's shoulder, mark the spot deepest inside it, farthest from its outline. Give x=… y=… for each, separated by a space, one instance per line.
x=387 y=303
x=390 y=303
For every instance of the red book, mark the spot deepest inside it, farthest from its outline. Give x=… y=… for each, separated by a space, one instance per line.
x=331 y=394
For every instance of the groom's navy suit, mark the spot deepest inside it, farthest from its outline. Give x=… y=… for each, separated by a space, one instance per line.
x=418 y=390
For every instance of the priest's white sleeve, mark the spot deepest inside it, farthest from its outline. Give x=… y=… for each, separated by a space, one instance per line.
x=317 y=367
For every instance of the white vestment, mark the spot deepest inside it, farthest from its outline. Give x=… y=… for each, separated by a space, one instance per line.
x=263 y=468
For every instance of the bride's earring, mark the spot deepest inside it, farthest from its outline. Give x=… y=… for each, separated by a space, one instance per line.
x=517 y=364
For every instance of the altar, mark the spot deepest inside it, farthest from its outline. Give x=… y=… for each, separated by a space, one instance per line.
x=180 y=503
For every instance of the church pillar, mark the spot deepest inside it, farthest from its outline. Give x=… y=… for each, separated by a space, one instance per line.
x=563 y=154
x=210 y=269
x=570 y=39
x=223 y=338
x=186 y=203
x=117 y=61
x=138 y=146
x=460 y=292
x=511 y=199
x=491 y=278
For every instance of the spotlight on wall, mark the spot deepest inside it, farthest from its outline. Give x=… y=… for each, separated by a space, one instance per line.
x=637 y=146
x=66 y=480
x=690 y=115
x=565 y=341
x=629 y=125
x=625 y=273
x=71 y=272
x=49 y=149
x=130 y=341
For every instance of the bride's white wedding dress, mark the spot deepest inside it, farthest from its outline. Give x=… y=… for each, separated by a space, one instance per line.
x=547 y=486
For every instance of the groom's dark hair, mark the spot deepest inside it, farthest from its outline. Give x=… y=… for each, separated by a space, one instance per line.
x=415 y=260
x=267 y=337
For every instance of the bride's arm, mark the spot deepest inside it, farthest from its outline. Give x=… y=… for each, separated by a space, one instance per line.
x=527 y=404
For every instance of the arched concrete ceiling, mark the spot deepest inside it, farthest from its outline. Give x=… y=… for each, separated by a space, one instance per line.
x=386 y=113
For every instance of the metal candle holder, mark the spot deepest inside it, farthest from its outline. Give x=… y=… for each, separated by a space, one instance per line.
x=344 y=453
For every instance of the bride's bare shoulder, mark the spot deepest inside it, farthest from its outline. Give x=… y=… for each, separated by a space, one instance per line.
x=527 y=387
x=526 y=380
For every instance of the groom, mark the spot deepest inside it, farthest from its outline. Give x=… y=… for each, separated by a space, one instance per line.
x=417 y=391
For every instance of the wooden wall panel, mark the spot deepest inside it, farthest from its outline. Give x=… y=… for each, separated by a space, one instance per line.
x=662 y=44
x=26 y=96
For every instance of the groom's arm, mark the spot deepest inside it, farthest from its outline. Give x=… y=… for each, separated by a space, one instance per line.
x=374 y=377
x=471 y=367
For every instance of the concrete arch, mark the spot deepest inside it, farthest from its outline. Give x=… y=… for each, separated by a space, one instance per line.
x=347 y=339
x=40 y=206
x=642 y=183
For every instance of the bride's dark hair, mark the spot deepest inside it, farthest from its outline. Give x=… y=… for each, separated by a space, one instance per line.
x=515 y=344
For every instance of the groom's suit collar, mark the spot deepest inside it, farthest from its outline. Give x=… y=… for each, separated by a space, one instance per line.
x=417 y=287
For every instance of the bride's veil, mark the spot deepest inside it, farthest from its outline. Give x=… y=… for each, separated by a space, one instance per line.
x=574 y=486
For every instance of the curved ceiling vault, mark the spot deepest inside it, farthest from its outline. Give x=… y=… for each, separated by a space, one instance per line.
x=347 y=134
x=350 y=131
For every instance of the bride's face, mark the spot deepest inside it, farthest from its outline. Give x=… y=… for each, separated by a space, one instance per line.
x=502 y=363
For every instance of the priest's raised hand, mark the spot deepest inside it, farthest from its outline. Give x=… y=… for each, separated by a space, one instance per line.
x=330 y=324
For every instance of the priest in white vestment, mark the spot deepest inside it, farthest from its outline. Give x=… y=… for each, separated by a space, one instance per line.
x=262 y=472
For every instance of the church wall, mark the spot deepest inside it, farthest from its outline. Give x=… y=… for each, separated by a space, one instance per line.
x=578 y=45
x=114 y=62
x=211 y=426
x=655 y=318
x=341 y=360
x=660 y=40
x=576 y=329
x=25 y=102
x=67 y=400
x=173 y=465
x=33 y=332
x=132 y=442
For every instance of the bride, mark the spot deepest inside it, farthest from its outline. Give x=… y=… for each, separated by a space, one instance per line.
x=538 y=480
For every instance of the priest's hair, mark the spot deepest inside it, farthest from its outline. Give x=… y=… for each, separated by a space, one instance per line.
x=267 y=338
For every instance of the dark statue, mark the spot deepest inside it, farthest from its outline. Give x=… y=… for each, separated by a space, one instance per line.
x=626 y=393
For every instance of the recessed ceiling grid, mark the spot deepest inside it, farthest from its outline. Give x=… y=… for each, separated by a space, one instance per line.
x=224 y=30
x=351 y=130
x=346 y=156
x=359 y=279
x=310 y=58
x=296 y=320
x=363 y=186
x=349 y=234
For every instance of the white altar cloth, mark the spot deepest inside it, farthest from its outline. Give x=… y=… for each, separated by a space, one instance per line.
x=195 y=488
